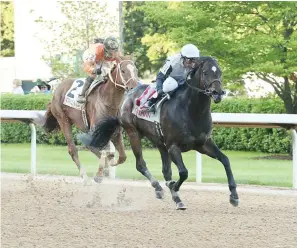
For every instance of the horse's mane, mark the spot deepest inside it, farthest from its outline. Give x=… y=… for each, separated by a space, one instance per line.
x=204 y=59
x=201 y=60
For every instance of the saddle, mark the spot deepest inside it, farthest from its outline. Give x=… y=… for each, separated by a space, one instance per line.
x=149 y=93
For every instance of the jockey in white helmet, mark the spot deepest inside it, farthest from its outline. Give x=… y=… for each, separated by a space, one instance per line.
x=175 y=70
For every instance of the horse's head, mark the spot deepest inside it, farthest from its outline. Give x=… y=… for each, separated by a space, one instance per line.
x=124 y=74
x=207 y=78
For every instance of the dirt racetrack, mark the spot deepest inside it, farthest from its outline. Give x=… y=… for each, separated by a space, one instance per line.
x=62 y=212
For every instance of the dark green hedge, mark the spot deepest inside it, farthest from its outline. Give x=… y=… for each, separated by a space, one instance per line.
x=19 y=132
x=271 y=140
x=248 y=139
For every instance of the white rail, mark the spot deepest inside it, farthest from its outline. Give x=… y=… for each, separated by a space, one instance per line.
x=25 y=116
x=288 y=121
x=219 y=119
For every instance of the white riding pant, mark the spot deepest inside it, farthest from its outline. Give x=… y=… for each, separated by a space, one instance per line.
x=169 y=84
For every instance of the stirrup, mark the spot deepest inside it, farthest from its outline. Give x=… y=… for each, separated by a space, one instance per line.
x=152 y=109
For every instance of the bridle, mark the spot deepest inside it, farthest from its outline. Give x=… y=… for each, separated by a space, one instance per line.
x=206 y=90
x=118 y=72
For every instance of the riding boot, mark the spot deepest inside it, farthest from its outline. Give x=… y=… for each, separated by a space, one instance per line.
x=82 y=96
x=152 y=103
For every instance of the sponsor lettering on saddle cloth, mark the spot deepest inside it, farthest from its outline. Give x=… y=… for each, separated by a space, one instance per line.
x=76 y=88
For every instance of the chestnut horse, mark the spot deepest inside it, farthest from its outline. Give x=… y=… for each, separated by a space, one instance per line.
x=103 y=101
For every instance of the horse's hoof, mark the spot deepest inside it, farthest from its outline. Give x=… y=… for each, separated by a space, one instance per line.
x=159 y=194
x=105 y=173
x=121 y=160
x=180 y=206
x=234 y=201
x=87 y=182
x=98 y=179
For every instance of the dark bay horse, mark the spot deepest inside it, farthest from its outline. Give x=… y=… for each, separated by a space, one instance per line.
x=186 y=124
x=103 y=101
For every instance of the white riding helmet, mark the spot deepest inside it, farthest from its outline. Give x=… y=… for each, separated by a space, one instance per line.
x=190 y=51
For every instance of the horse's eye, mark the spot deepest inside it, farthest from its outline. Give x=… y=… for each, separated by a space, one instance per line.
x=122 y=71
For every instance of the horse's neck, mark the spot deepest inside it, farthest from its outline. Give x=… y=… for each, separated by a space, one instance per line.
x=198 y=104
x=112 y=95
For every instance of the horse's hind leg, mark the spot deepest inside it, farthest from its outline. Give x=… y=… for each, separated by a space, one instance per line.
x=72 y=150
x=174 y=187
x=140 y=163
x=166 y=164
x=210 y=149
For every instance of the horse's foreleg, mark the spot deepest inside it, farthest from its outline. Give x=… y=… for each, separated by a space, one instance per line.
x=210 y=149
x=140 y=163
x=174 y=187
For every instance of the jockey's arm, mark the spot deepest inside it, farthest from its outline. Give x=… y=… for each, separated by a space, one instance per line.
x=159 y=81
x=89 y=67
x=162 y=75
x=92 y=56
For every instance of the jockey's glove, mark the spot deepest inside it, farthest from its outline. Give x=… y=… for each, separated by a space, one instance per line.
x=160 y=92
x=97 y=71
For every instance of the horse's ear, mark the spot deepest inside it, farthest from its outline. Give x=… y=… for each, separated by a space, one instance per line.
x=132 y=57
x=199 y=61
x=128 y=57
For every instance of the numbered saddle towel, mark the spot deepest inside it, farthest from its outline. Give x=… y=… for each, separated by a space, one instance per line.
x=76 y=88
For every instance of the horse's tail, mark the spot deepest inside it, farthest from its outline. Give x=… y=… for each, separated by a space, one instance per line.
x=100 y=137
x=50 y=121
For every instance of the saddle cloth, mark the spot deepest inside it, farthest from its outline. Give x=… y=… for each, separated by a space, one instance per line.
x=140 y=108
x=150 y=92
x=71 y=96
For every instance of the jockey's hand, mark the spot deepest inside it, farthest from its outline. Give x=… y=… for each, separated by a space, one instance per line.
x=97 y=71
x=160 y=92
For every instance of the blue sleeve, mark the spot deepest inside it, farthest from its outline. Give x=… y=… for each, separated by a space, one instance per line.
x=161 y=78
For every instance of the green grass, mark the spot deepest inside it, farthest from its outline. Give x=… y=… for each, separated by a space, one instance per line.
x=56 y=160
